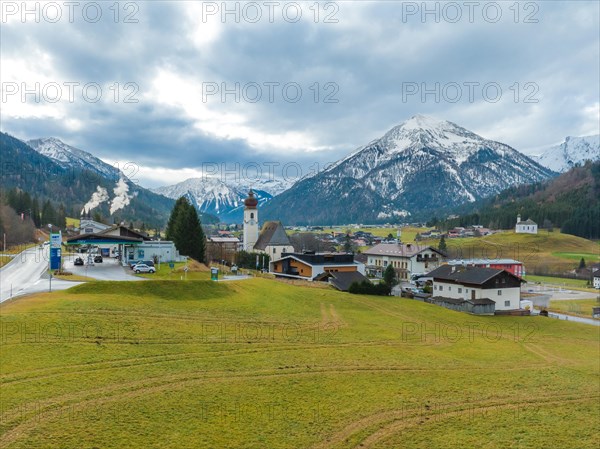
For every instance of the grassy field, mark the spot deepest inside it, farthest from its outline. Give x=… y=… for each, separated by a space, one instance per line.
x=73 y=222
x=550 y=251
x=574 y=284
x=262 y=364
x=581 y=307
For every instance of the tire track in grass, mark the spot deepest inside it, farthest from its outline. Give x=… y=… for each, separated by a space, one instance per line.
x=387 y=431
x=57 y=406
x=387 y=423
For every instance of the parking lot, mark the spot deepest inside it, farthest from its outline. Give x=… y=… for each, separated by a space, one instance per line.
x=109 y=270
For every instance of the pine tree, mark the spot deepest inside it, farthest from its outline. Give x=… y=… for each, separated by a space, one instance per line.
x=442 y=246
x=35 y=212
x=180 y=206
x=48 y=214
x=185 y=230
x=389 y=276
x=582 y=263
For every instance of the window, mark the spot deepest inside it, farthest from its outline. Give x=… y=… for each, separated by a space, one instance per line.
x=506 y=303
x=449 y=289
x=466 y=290
x=441 y=288
x=459 y=290
x=251 y=215
x=274 y=250
x=499 y=292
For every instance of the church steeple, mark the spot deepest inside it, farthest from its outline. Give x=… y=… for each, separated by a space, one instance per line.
x=250 y=222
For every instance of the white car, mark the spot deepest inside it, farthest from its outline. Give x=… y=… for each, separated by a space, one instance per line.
x=143 y=268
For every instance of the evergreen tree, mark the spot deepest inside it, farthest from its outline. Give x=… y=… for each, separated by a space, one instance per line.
x=185 y=230
x=48 y=214
x=582 y=263
x=389 y=276
x=35 y=212
x=442 y=246
x=180 y=206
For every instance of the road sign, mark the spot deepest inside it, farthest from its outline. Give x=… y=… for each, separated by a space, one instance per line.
x=214 y=274
x=55 y=242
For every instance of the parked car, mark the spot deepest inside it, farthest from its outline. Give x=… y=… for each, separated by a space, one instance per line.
x=78 y=261
x=98 y=259
x=150 y=263
x=143 y=268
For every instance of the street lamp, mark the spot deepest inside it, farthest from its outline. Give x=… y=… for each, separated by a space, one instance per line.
x=49 y=257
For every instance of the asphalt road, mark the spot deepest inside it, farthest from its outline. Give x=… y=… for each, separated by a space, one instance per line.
x=27 y=273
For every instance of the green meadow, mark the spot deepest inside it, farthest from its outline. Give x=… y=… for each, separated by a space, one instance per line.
x=263 y=364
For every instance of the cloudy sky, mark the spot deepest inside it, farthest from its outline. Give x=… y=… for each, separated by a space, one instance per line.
x=175 y=87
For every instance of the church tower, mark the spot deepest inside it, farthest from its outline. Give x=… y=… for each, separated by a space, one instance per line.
x=250 y=222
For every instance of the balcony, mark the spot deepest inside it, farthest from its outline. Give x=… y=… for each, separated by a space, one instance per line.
x=433 y=259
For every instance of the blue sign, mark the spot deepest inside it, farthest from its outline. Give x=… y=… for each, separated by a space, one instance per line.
x=55 y=242
x=55 y=258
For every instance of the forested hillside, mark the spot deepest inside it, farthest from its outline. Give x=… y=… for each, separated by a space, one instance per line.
x=570 y=202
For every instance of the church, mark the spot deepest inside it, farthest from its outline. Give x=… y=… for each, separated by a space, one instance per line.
x=271 y=240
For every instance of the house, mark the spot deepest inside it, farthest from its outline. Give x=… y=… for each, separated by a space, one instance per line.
x=309 y=265
x=219 y=248
x=512 y=266
x=89 y=226
x=342 y=280
x=272 y=239
x=408 y=259
x=596 y=279
x=474 y=284
x=526 y=227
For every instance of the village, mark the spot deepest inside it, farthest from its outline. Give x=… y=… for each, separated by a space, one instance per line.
x=341 y=258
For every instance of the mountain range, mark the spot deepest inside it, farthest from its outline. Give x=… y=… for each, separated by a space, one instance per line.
x=416 y=167
x=214 y=196
x=573 y=151
x=63 y=174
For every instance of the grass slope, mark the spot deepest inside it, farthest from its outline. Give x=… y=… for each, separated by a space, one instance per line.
x=262 y=364
x=549 y=252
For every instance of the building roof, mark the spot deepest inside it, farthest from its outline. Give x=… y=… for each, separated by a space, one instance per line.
x=596 y=274
x=398 y=249
x=484 y=262
x=98 y=238
x=342 y=280
x=481 y=301
x=529 y=221
x=322 y=258
x=466 y=275
x=224 y=240
x=124 y=232
x=272 y=234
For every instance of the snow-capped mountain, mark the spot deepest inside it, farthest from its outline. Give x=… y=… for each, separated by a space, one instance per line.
x=215 y=197
x=573 y=151
x=70 y=157
x=422 y=164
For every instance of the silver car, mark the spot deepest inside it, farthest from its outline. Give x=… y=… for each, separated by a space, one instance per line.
x=143 y=268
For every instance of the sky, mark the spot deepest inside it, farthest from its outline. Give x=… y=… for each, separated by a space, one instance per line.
x=184 y=88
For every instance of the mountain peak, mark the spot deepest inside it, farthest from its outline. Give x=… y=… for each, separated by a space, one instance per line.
x=421 y=121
